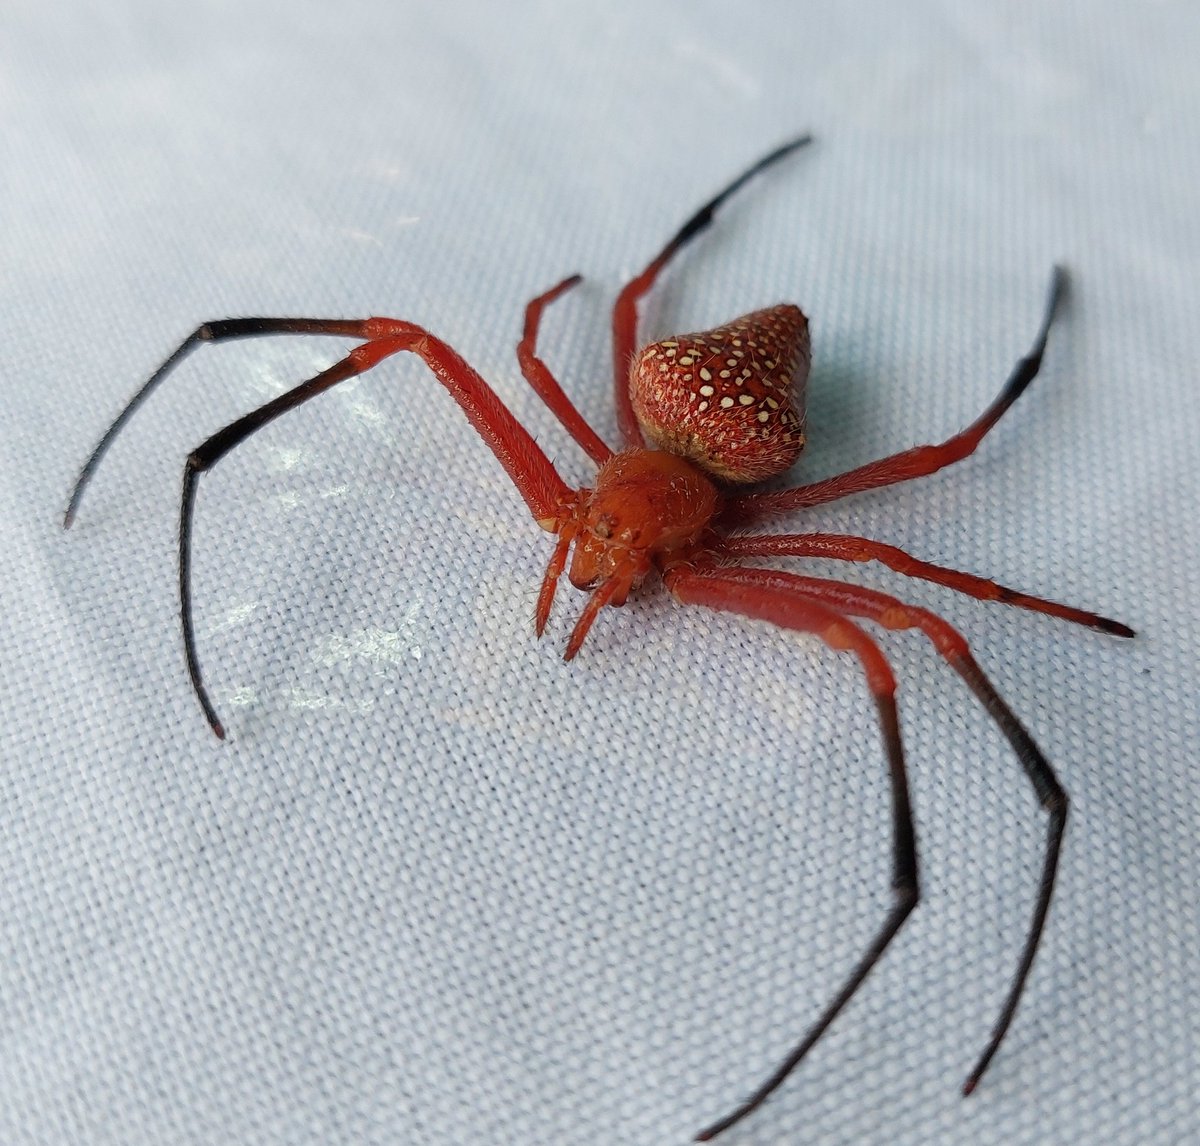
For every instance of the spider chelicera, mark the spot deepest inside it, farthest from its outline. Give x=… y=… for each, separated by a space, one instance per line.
x=720 y=409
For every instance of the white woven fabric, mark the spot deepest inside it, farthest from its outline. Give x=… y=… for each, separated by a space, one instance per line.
x=439 y=886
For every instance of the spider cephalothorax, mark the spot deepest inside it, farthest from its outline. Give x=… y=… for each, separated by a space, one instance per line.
x=647 y=505
x=726 y=407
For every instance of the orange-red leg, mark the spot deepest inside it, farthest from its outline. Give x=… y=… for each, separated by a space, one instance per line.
x=625 y=312
x=894 y=614
x=841 y=547
x=538 y=374
x=558 y=562
x=531 y=471
x=613 y=590
x=918 y=461
x=730 y=590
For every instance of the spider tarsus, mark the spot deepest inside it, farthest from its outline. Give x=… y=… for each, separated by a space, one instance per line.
x=210 y=713
x=557 y=291
x=1060 y=289
x=77 y=493
x=704 y=217
x=973 y=1078
x=1077 y=616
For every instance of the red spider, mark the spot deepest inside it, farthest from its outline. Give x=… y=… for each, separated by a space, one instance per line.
x=724 y=408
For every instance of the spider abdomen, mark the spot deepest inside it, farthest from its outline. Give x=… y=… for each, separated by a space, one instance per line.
x=730 y=399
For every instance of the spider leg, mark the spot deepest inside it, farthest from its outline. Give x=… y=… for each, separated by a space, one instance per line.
x=785 y=605
x=222 y=330
x=918 y=461
x=625 y=313
x=535 y=477
x=538 y=374
x=950 y=644
x=558 y=562
x=840 y=547
x=611 y=591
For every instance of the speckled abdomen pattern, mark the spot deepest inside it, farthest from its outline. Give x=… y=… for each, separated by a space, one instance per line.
x=730 y=399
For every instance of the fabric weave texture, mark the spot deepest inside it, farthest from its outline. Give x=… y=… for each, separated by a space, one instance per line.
x=439 y=886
